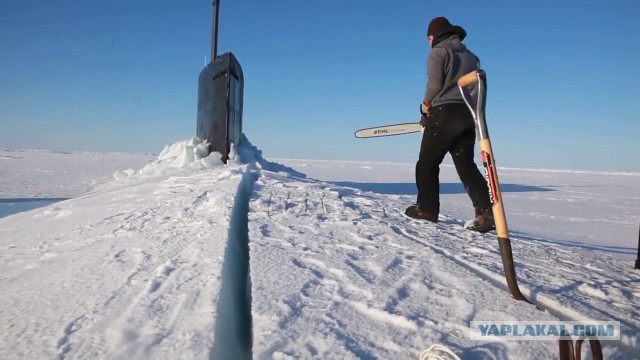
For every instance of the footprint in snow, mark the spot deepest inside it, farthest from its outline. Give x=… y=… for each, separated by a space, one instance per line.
x=299 y=263
x=394 y=264
x=64 y=344
x=265 y=231
x=162 y=273
x=366 y=274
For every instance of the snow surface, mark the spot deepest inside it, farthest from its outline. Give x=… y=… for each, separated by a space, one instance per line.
x=181 y=256
x=56 y=174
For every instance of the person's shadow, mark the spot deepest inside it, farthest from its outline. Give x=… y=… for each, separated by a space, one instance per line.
x=445 y=188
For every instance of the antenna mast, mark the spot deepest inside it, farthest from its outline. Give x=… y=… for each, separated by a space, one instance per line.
x=214 y=30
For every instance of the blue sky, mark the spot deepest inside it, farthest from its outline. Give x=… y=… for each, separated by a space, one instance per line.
x=122 y=75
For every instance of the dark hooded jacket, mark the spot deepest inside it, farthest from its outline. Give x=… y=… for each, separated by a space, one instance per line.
x=448 y=61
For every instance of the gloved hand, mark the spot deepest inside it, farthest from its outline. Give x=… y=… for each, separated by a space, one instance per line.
x=424 y=109
x=424 y=112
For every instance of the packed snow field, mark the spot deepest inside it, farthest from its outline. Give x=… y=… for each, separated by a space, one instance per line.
x=178 y=255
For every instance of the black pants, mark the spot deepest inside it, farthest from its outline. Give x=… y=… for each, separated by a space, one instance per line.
x=450 y=128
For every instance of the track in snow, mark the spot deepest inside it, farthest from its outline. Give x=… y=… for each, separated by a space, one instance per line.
x=233 y=331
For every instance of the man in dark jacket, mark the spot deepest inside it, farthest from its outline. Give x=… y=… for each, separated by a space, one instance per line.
x=448 y=128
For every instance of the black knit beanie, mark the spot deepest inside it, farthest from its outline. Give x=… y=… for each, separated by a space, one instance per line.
x=437 y=25
x=440 y=26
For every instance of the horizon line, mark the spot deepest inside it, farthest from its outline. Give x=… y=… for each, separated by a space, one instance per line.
x=279 y=158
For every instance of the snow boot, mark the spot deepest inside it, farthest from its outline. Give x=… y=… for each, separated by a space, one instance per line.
x=483 y=222
x=415 y=212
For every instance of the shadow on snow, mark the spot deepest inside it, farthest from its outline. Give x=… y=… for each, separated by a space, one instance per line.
x=445 y=188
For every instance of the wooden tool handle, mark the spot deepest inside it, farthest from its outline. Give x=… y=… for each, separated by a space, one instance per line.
x=468 y=79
